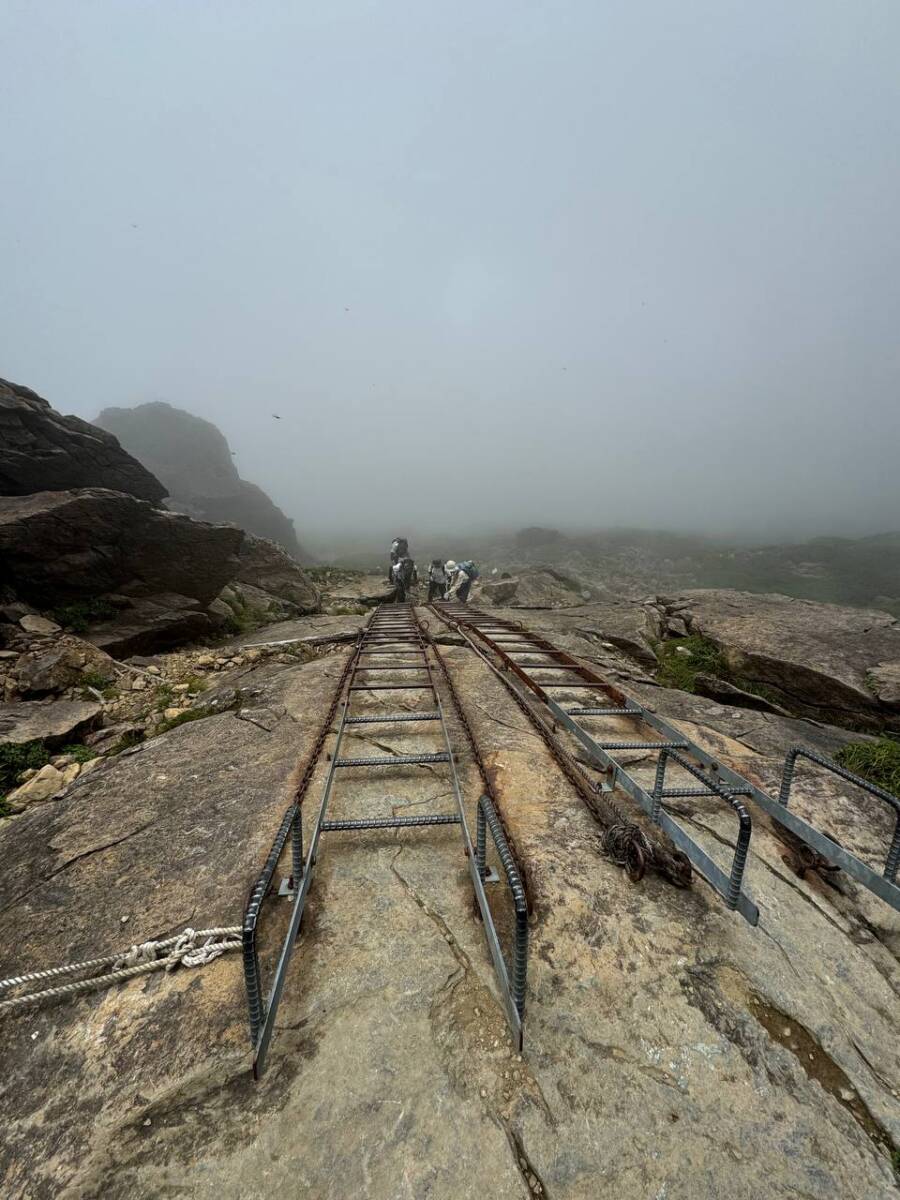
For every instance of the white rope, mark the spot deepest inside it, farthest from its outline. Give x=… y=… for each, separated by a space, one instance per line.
x=142 y=958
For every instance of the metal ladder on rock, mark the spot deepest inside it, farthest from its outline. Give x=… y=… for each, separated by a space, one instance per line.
x=392 y=634
x=530 y=658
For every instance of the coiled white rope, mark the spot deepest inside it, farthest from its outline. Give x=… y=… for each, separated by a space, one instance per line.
x=187 y=949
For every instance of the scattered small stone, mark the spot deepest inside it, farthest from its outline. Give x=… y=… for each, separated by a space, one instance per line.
x=147 y=1122
x=181 y=687
x=43 y=785
x=847 y=1096
x=171 y=714
x=124 y=919
x=483 y=1093
x=786 y=1032
x=154 y=670
x=683 y=650
x=205 y=660
x=477 y=1012
x=138 y=684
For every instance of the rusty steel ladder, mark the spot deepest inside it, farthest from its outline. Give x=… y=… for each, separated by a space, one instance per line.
x=392 y=634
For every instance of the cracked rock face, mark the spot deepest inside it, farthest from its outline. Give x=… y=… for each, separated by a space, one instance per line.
x=63 y=546
x=825 y=661
x=671 y=1050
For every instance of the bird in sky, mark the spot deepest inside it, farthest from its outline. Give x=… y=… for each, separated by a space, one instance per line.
x=276 y=416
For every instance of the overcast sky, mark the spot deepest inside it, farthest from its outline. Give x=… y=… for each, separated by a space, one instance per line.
x=578 y=263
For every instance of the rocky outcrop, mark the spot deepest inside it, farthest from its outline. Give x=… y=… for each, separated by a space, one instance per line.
x=194 y=461
x=55 y=724
x=542 y=587
x=42 y=451
x=266 y=566
x=58 y=547
x=818 y=660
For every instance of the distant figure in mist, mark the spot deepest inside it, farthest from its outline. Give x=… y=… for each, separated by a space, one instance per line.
x=404 y=578
x=399 y=549
x=465 y=575
x=437 y=580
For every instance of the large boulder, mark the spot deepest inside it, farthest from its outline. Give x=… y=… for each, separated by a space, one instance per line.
x=266 y=566
x=148 y=624
x=59 y=547
x=193 y=459
x=40 y=451
x=541 y=587
x=820 y=660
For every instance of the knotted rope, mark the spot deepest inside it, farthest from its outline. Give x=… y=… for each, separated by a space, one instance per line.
x=191 y=948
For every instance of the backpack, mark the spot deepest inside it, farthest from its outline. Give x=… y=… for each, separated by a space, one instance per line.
x=470 y=569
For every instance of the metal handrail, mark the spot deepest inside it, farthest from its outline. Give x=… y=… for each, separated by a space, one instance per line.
x=742 y=847
x=892 y=862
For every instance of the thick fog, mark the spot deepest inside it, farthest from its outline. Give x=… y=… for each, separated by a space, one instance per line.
x=581 y=263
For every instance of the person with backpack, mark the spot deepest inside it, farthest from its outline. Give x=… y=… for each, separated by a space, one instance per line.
x=399 y=549
x=466 y=574
x=437 y=580
x=404 y=578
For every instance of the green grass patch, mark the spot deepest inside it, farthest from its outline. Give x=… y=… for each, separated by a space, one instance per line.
x=878 y=762
x=16 y=758
x=79 y=752
x=680 y=670
x=83 y=613
x=192 y=714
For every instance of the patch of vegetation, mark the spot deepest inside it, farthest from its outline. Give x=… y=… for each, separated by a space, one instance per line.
x=83 y=613
x=878 y=762
x=680 y=670
x=195 y=683
x=163 y=697
x=192 y=714
x=14 y=759
x=100 y=683
x=80 y=752
x=346 y=610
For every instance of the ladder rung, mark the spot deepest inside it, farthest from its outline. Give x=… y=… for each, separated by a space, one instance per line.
x=392 y=717
x=604 y=712
x=388 y=823
x=391 y=760
x=689 y=791
x=643 y=745
x=394 y=667
x=389 y=687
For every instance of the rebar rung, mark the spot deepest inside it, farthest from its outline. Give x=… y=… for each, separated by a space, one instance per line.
x=391 y=760
x=604 y=712
x=392 y=717
x=643 y=745
x=389 y=823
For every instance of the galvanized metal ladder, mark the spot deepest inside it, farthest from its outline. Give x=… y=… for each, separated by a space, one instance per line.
x=391 y=634
x=531 y=658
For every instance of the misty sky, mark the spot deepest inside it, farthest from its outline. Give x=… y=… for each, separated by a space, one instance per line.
x=578 y=263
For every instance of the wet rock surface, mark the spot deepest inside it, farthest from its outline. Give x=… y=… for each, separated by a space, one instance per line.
x=671 y=1050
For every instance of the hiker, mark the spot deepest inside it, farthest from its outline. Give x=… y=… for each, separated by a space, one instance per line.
x=451 y=570
x=399 y=549
x=437 y=580
x=404 y=577
x=466 y=574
